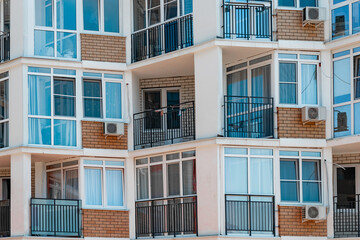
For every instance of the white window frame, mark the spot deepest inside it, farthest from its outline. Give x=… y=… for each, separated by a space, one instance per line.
x=164 y=163
x=300 y=181
x=298 y=62
x=163 y=95
x=338 y=5
x=357 y=177
x=297 y=5
x=103 y=167
x=7 y=78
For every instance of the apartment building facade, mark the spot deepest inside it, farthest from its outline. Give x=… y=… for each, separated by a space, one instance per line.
x=125 y=119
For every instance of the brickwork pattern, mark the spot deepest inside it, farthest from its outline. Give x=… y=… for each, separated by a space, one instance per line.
x=103 y=48
x=93 y=137
x=291 y=224
x=185 y=83
x=5 y=173
x=290 y=125
x=105 y=223
x=346 y=158
x=289 y=26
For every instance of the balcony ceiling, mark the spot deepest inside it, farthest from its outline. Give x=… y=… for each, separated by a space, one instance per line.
x=234 y=54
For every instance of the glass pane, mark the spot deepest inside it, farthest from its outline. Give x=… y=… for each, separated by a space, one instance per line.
x=188 y=154
x=141 y=161
x=173 y=156
x=289 y=153
x=287 y=56
x=342 y=121
x=309 y=83
x=92 y=74
x=170 y=10
x=93 y=162
x=288 y=170
x=92 y=88
x=4 y=134
x=357 y=77
x=260 y=81
x=39 y=70
x=288 y=93
x=173 y=179
x=39 y=131
x=338 y=1
x=66 y=14
x=311 y=192
x=237 y=83
x=93 y=187
x=189 y=177
x=263 y=152
x=356 y=50
x=342 y=53
x=309 y=57
x=287 y=3
x=340 y=22
x=311 y=154
x=156 y=159
x=342 y=81
x=240 y=151
x=114 y=187
x=113 y=76
x=289 y=191
x=39 y=95
x=114 y=163
x=92 y=99
x=288 y=74
x=66 y=45
x=139 y=14
x=308 y=3
x=4 y=100
x=54 y=184
x=261 y=176
x=64 y=99
x=188 y=6
x=91 y=15
x=65 y=133
x=311 y=170
x=71 y=184
x=156 y=180
x=236 y=175
x=142 y=183
x=357 y=118
x=64 y=71
x=154 y=16
x=113 y=100
x=355 y=17
x=346 y=182
x=44 y=43
x=153 y=3
x=111 y=15
x=43 y=13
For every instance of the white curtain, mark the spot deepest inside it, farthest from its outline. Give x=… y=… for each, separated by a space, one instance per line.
x=54 y=185
x=142 y=183
x=65 y=132
x=309 y=83
x=288 y=83
x=189 y=177
x=237 y=84
x=39 y=131
x=93 y=189
x=260 y=81
x=113 y=100
x=173 y=179
x=261 y=176
x=39 y=95
x=236 y=175
x=114 y=187
x=71 y=184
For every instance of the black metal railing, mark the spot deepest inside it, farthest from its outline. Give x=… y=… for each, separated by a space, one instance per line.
x=55 y=217
x=162 y=38
x=347 y=215
x=4 y=218
x=4 y=46
x=167 y=125
x=164 y=217
x=248 y=117
x=249 y=214
x=247 y=20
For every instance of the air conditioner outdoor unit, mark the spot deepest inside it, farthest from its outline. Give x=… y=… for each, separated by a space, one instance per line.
x=115 y=129
x=314 y=213
x=314 y=15
x=313 y=114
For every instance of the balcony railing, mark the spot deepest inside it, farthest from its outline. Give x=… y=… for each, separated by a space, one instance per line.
x=166 y=217
x=247 y=20
x=55 y=217
x=249 y=214
x=347 y=215
x=4 y=46
x=162 y=38
x=168 y=125
x=248 y=117
x=4 y=218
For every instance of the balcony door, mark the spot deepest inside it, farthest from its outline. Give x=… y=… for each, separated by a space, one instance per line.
x=346 y=187
x=5 y=189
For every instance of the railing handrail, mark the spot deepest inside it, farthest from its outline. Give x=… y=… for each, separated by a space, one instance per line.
x=166 y=198
x=166 y=107
x=249 y=195
x=251 y=3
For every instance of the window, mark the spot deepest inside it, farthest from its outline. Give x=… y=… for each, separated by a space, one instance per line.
x=97 y=85
x=4 y=109
x=55 y=29
x=104 y=183
x=51 y=107
x=345 y=18
x=298 y=78
x=298 y=3
x=101 y=15
x=300 y=176
x=171 y=175
x=249 y=171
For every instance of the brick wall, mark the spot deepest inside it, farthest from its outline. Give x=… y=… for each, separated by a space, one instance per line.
x=290 y=27
x=290 y=125
x=5 y=172
x=291 y=224
x=103 y=48
x=105 y=223
x=93 y=137
x=186 y=85
x=346 y=158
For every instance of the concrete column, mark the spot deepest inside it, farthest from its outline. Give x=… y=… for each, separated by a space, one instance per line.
x=130 y=194
x=209 y=92
x=20 y=194
x=40 y=180
x=328 y=190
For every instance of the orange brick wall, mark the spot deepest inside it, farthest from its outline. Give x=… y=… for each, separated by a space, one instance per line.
x=291 y=224
x=103 y=48
x=289 y=26
x=290 y=125
x=93 y=137
x=346 y=158
x=105 y=223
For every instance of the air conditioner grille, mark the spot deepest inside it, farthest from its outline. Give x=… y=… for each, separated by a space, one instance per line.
x=313 y=113
x=313 y=212
x=313 y=13
x=111 y=128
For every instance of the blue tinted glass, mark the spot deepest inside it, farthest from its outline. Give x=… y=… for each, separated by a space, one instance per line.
x=66 y=14
x=342 y=121
x=355 y=17
x=309 y=57
x=236 y=175
x=263 y=152
x=39 y=95
x=113 y=163
x=288 y=93
x=39 y=70
x=43 y=13
x=240 y=151
x=111 y=15
x=308 y=3
x=287 y=56
x=340 y=54
x=288 y=170
x=188 y=6
x=289 y=153
x=289 y=191
x=357 y=118
x=90 y=74
x=311 y=154
x=356 y=49
x=91 y=15
x=93 y=162
x=43 y=43
x=287 y=3
x=66 y=45
x=309 y=83
x=340 y=22
x=311 y=192
x=93 y=187
x=64 y=71
x=115 y=76
x=92 y=88
x=65 y=133
x=113 y=100
x=338 y=1
x=39 y=131
x=342 y=81
x=310 y=170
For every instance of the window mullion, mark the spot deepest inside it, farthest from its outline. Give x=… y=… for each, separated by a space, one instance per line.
x=104 y=192
x=300 y=181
